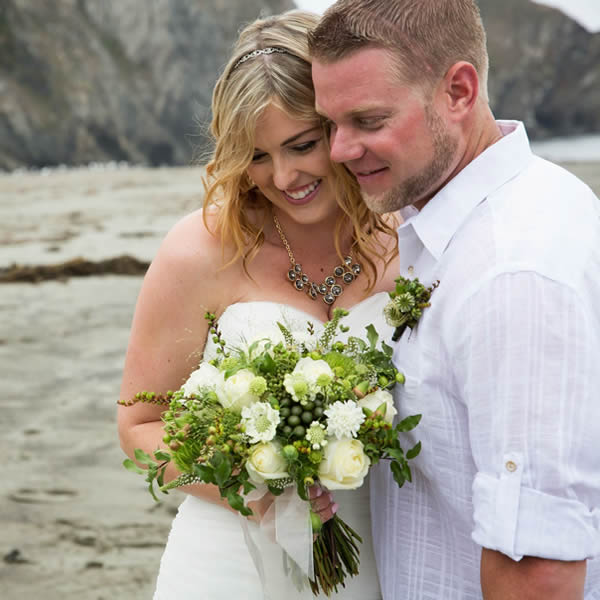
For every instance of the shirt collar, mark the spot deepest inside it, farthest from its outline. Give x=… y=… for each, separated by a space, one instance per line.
x=442 y=216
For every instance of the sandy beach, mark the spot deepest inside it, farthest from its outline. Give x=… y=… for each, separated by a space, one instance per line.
x=76 y=524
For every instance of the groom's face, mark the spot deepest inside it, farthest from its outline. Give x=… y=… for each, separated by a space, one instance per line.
x=388 y=134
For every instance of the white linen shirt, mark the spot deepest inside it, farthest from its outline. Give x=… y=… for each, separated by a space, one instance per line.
x=505 y=369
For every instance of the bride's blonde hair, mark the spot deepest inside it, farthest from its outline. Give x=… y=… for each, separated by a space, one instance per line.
x=242 y=92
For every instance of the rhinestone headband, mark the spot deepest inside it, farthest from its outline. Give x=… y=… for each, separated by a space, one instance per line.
x=269 y=50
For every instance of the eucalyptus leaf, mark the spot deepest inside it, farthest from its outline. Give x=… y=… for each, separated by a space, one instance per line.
x=235 y=500
x=408 y=423
x=301 y=489
x=387 y=350
x=398 y=474
x=205 y=473
x=216 y=459
x=143 y=457
x=162 y=456
x=222 y=472
x=414 y=451
x=161 y=477
x=131 y=466
x=396 y=453
x=372 y=336
x=265 y=363
x=247 y=486
x=151 y=490
x=406 y=472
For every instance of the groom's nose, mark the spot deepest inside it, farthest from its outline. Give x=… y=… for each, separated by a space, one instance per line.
x=345 y=145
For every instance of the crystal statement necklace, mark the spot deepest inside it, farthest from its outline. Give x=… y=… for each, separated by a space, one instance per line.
x=330 y=289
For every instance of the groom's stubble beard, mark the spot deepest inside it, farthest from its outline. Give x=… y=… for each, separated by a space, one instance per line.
x=417 y=187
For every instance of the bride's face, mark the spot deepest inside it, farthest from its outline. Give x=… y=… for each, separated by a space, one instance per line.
x=291 y=166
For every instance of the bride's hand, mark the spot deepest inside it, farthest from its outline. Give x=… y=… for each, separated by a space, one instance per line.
x=322 y=502
x=260 y=507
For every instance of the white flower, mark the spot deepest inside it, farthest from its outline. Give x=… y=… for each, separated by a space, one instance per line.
x=344 y=419
x=344 y=465
x=266 y=462
x=296 y=386
x=261 y=420
x=313 y=369
x=235 y=392
x=374 y=400
x=204 y=377
x=308 y=377
x=316 y=435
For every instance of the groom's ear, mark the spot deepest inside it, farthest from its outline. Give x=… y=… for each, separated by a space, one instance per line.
x=460 y=90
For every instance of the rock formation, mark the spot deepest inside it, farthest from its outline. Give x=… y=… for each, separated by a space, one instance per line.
x=544 y=68
x=123 y=80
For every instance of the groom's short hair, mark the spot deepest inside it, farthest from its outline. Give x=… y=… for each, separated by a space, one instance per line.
x=424 y=37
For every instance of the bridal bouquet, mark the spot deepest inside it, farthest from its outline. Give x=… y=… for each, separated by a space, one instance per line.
x=290 y=409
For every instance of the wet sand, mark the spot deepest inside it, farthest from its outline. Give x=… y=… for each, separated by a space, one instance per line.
x=75 y=524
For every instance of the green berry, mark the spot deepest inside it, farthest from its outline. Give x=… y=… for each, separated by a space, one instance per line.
x=307 y=417
x=293 y=420
x=299 y=431
x=284 y=412
x=289 y=452
x=297 y=409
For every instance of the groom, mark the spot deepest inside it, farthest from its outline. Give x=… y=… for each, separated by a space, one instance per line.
x=505 y=364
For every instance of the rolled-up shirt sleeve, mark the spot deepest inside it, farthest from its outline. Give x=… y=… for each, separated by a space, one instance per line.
x=528 y=354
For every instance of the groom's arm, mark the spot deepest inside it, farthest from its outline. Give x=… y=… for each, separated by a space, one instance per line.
x=530 y=578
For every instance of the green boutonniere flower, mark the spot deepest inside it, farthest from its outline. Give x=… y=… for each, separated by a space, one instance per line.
x=407 y=303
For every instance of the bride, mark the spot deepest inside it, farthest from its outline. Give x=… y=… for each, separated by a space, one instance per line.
x=278 y=220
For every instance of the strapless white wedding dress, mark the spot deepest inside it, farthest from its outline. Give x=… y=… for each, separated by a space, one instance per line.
x=206 y=556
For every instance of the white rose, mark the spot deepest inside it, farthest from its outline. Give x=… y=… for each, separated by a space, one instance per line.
x=235 y=393
x=311 y=370
x=205 y=376
x=374 y=400
x=266 y=462
x=344 y=465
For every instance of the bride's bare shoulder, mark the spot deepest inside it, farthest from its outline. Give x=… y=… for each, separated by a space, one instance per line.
x=191 y=253
x=193 y=238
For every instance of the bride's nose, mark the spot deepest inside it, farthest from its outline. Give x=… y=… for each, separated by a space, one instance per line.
x=285 y=173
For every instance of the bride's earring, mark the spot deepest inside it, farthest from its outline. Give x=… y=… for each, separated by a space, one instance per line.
x=252 y=182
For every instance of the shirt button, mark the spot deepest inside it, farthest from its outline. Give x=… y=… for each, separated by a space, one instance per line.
x=511 y=466
x=411 y=270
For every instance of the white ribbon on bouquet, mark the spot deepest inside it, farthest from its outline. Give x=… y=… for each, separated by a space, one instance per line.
x=281 y=546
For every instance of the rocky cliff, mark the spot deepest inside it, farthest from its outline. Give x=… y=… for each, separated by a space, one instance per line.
x=544 y=68
x=91 y=80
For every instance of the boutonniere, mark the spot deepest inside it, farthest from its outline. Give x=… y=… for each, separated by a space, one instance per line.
x=407 y=303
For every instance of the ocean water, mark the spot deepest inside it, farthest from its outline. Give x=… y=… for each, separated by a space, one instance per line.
x=581 y=148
